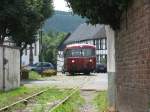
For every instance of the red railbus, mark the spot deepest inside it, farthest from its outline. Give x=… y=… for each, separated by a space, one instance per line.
x=79 y=58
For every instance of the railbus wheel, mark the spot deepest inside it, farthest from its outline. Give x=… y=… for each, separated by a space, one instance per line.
x=87 y=73
x=67 y=73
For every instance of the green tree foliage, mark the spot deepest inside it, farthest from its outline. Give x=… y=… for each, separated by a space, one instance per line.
x=21 y=19
x=50 y=42
x=100 y=11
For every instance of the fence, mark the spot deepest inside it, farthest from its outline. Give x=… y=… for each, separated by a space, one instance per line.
x=9 y=68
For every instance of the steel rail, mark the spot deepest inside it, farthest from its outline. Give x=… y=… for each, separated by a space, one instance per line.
x=66 y=98
x=24 y=100
x=63 y=101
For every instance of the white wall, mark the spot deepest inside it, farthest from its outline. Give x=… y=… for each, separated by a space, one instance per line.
x=60 y=61
x=1 y=68
x=111 y=67
x=110 y=49
x=9 y=72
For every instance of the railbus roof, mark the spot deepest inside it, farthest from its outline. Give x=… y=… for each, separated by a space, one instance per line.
x=80 y=46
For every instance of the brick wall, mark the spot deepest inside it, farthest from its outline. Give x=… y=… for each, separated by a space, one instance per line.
x=133 y=58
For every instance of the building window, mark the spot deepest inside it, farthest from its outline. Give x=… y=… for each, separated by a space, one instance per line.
x=97 y=44
x=97 y=59
x=94 y=42
x=103 y=44
x=26 y=52
x=35 y=49
x=103 y=58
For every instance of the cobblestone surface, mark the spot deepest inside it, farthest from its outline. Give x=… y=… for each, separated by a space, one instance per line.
x=94 y=81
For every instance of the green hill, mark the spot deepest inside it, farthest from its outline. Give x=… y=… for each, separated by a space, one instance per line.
x=62 y=22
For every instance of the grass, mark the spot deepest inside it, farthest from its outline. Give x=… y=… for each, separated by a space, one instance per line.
x=16 y=107
x=50 y=96
x=9 y=97
x=42 y=100
x=101 y=101
x=34 y=76
x=72 y=104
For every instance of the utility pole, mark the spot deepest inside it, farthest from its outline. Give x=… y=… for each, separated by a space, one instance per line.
x=41 y=44
x=31 y=55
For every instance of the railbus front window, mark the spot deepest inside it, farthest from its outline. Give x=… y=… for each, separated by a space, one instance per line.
x=88 y=52
x=76 y=52
x=73 y=53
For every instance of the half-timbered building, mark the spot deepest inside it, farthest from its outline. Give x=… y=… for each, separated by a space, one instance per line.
x=89 y=34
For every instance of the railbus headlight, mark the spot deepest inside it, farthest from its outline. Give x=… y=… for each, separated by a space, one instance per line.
x=91 y=60
x=73 y=61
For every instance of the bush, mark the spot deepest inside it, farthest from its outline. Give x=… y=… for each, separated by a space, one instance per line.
x=49 y=72
x=101 y=101
x=24 y=74
x=34 y=75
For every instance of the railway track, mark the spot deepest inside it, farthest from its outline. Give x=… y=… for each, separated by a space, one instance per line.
x=24 y=100
x=51 y=109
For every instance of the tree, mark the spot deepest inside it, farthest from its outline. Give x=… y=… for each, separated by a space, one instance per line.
x=100 y=11
x=21 y=19
x=51 y=41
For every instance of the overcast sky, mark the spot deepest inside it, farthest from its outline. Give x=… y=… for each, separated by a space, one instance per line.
x=60 y=5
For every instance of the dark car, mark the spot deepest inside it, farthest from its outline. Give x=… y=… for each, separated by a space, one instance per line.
x=101 y=68
x=40 y=67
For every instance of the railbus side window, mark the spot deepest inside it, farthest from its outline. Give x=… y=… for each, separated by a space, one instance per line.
x=67 y=53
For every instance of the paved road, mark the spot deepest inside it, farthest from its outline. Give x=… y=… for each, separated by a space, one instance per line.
x=93 y=82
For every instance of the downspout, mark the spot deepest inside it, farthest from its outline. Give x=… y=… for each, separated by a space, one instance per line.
x=3 y=70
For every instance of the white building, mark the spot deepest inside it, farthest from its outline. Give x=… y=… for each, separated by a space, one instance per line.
x=26 y=54
x=89 y=34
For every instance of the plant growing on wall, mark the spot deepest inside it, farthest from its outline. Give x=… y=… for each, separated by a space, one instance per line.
x=100 y=11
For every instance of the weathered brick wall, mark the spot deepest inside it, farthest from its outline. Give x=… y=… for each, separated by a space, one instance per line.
x=133 y=58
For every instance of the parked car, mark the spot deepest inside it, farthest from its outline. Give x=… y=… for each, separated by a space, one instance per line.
x=101 y=68
x=40 y=67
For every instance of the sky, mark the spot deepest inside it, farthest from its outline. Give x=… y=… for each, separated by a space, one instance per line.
x=60 y=5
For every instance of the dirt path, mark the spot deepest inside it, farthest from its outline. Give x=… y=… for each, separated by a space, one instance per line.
x=88 y=106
